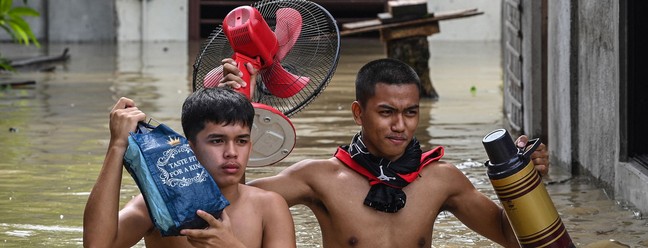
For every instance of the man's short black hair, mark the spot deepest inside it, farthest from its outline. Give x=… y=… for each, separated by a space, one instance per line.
x=219 y=105
x=387 y=71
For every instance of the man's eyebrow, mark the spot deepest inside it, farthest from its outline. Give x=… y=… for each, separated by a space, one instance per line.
x=387 y=106
x=416 y=106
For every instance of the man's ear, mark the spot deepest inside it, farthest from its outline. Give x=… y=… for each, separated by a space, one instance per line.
x=356 y=109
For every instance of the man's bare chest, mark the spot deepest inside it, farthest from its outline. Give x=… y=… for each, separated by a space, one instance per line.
x=343 y=197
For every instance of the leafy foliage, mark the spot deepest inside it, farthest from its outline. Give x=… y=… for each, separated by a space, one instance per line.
x=12 y=22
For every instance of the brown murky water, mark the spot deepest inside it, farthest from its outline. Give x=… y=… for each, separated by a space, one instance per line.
x=53 y=137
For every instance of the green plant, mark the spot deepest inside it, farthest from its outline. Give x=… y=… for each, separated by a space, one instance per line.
x=11 y=20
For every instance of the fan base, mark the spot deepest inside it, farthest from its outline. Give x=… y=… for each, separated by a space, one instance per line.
x=273 y=136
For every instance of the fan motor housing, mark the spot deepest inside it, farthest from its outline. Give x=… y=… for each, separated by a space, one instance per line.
x=250 y=35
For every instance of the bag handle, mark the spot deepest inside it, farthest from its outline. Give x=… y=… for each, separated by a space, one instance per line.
x=145 y=127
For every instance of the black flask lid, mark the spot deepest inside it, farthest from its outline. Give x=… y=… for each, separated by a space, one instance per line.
x=505 y=158
x=499 y=147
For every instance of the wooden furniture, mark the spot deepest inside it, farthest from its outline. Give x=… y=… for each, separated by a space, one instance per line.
x=206 y=15
x=406 y=39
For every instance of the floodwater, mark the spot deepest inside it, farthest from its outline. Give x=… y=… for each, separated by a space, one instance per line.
x=53 y=136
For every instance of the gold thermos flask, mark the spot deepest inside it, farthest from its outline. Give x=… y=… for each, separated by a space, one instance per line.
x=519 y=188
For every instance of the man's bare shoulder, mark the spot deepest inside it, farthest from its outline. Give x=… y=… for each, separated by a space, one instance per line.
x=312 y=166
x=445 y=177
x=441 y=166
x=443 y=171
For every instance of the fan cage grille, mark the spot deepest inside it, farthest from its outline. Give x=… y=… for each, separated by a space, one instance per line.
x=314 y=55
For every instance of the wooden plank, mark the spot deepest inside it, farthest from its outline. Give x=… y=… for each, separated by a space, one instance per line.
x=42 y=59
x=403 y=32
x=361 y=24
x=16 y=84
x=439 y=16
x=387 y=18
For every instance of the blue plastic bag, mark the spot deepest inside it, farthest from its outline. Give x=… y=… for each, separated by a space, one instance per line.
x=174 y=184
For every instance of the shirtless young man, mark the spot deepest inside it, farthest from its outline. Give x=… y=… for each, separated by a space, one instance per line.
x=217 y=123
x=353 y=213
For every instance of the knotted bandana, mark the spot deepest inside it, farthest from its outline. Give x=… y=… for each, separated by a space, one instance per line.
x=387 y=177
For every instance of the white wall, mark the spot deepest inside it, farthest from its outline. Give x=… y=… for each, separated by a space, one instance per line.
x=162 y=20
x=167 y=20
x=481 y=27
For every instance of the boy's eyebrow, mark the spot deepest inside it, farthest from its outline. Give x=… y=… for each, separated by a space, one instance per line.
x=218 y=135
x=215 y=135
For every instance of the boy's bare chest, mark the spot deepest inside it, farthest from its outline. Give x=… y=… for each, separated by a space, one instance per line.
x=155 y=240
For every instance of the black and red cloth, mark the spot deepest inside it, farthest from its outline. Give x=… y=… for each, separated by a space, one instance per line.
x=387 y=178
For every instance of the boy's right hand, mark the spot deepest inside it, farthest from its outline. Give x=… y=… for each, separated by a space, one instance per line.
x=123 y=119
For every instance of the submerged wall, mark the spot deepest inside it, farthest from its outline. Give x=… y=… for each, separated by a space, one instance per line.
x=108 y=21
x=584 y=103
x=598 y=88
x=485 y=27
x=561 y=84
x=160 y=20
x=81 y=21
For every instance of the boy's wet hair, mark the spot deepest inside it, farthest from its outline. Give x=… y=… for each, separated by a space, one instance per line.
x=219 y=105
x=387 y=71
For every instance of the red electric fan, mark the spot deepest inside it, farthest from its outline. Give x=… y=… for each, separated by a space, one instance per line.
x=294 y=44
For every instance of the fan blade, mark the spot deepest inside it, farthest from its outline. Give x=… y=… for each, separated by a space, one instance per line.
x=287 y=30
x=213 y=77
x=282 y=83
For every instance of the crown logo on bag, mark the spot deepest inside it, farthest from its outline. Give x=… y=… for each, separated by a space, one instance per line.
x=173 y=141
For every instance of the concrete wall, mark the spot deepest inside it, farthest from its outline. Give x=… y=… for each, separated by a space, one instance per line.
x=584 y=85
x=598 y=88
x=161 y=20
x=81 y=21
x=485 y=27
x=561 y=80
x=108 y=21
x=631 y=185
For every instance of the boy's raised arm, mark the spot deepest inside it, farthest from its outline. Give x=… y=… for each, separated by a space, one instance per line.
x=103 y=224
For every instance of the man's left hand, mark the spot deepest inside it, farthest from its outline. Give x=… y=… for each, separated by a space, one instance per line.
x=540 y=156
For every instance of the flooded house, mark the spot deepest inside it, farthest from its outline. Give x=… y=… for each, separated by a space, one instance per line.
x=572 y=75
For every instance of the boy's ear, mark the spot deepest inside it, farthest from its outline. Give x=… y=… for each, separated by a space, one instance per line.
x=356 y=109
x=191 y=144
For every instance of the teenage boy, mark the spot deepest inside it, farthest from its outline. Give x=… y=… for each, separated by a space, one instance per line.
x=217 y=123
